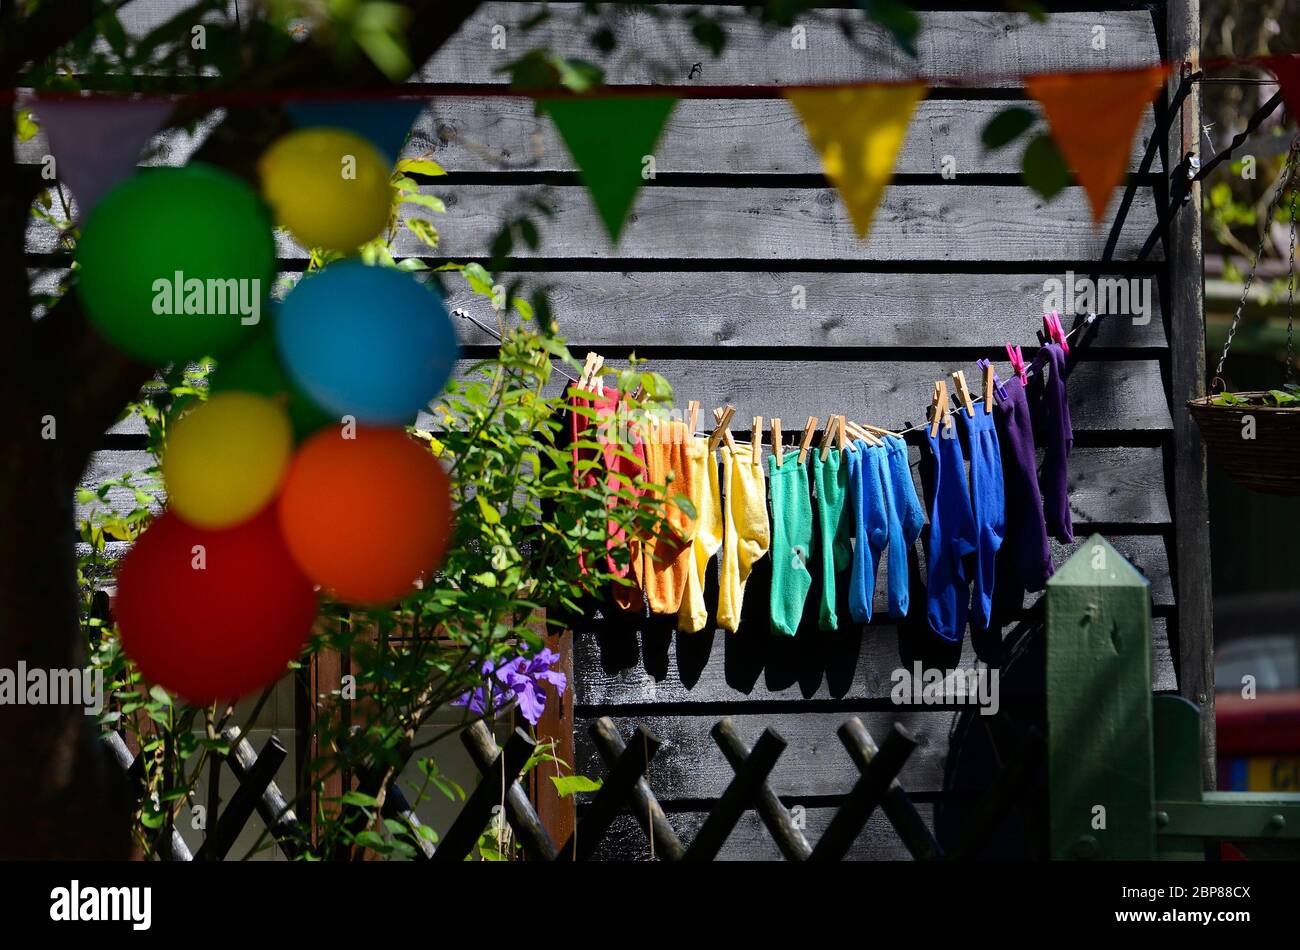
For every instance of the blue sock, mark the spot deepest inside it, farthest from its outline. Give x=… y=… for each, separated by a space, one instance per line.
x=989 y=507
x=870 y=525
x=906 y=519
x=952 y=536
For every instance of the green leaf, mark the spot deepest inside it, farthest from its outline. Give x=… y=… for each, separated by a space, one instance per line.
x=432 y=202
x=566 y=785
x=1006 y=126
x=488 y=510
x=420 y=166
x=1044 y=167
x=480 y=281
x=423 y=230
x=898 y=19
x=710 y=34
x=25 y=125
x=360 y=799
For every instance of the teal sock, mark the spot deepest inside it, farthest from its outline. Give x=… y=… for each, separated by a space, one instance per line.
x=831 y=479
x=792 y=535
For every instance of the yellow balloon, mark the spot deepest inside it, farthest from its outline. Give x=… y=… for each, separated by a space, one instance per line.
x=328 y=186
x=223 y=461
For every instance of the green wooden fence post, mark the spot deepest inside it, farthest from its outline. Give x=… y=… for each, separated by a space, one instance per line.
x=1100 y=773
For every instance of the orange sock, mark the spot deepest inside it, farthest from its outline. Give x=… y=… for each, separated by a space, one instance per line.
x=667 y=557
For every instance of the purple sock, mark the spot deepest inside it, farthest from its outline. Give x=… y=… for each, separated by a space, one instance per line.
x=1053 y=432
x=1026 y=561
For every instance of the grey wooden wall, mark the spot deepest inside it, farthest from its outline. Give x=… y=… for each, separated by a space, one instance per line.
x=701 y=284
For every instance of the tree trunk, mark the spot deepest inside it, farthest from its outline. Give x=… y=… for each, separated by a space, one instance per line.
x=61 y=795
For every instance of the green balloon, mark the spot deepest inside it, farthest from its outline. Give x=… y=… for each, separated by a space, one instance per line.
x=255 y=368
x=177 y=263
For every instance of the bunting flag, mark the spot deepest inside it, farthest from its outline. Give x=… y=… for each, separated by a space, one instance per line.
x=1093 y=117
x=383 y=122
x=609 y=140
x=95 y=143
x=1287 y=70
x=858 y=132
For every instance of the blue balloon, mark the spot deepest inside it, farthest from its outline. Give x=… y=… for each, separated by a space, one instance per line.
x=370 y=342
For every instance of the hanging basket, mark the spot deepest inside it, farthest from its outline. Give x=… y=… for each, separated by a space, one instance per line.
x=1258 y=444
x=1270 y=461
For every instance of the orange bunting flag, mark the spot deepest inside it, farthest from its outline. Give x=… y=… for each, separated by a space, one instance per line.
x=857 y=132
x=1093 y=117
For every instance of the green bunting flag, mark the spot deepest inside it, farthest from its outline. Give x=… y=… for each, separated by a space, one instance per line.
x=609 y=139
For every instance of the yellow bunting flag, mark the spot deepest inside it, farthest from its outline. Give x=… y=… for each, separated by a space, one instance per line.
x=1093 y=117
x=857 y=132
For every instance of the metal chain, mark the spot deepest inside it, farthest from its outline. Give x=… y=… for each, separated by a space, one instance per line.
x=1290 y=299
x=1286 y=183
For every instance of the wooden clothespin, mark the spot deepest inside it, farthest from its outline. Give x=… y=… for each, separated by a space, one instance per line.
x=988 y=387
x=840 y=434
x=586 y=371
x=940 y=408
x=828 y=434
x=877 y=430
x=756 y=440
x=693 y=417
x=723 y=429
x=596 y=380
x=963 y=394
x=776 y=440
x=809 y=428
x=991 y=373
x=858 y=432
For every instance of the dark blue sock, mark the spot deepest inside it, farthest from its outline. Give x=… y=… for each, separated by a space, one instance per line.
x=952 y=536
x=989 y=507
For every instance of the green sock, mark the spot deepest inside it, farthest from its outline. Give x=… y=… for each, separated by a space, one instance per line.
x=831 y=480
x=792 y=535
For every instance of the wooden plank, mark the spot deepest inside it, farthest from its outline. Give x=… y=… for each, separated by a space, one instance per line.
x=556 y=725
x=691 y=766
x=781 y=226
x=866 y=310
x=750 y=841
x=952 y=43
x=784 y=225
x=716 y=136
x=1147 y=552
x=740 y=669
x=1109 y=396
x=727 y=309
x=1187 y=371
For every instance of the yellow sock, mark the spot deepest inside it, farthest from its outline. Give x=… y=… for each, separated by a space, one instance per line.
x=694 y=615
x=746 y=534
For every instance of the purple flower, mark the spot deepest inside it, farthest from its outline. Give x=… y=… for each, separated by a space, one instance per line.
x=518 y=680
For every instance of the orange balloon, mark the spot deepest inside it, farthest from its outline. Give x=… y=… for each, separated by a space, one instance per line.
x=365 y=517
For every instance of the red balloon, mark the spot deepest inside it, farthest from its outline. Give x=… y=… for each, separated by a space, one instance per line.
x=212 y=615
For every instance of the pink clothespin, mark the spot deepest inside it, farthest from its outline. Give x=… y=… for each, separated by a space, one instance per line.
x=1056 y=332
x=1017 y=362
